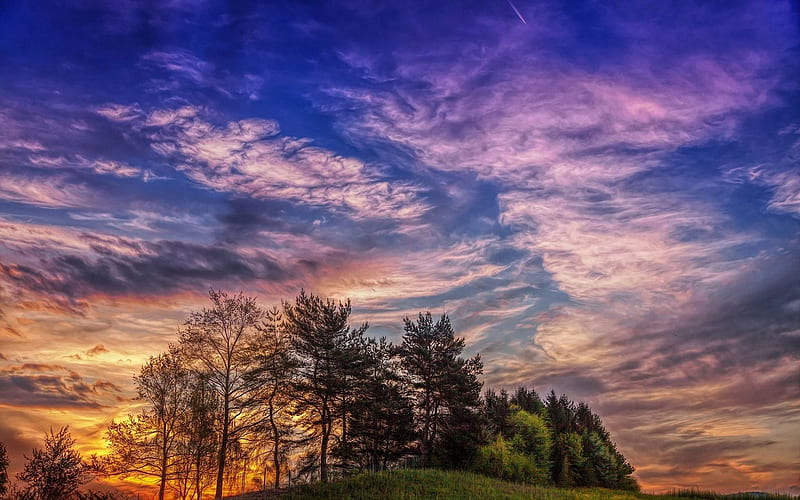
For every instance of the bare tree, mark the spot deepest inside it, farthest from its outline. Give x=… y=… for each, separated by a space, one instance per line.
x=55 y=472
x=219 y=340
x=200 y=436
x=149 y=443
x=275 y=374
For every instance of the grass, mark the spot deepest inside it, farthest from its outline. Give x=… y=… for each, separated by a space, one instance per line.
x=432 y=484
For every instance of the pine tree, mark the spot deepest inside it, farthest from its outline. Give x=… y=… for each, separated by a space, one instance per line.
x=380 y=421
x=55 y=472
x=328 y=351
x=445 y=388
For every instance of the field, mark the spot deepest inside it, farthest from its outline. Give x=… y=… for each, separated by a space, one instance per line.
x=456 y=485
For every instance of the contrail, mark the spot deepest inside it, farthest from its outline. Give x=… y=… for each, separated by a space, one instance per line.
x=516 y=11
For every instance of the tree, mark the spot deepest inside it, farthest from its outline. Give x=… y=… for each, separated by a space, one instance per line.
x=528 y=400
x=149 y=443
x=445 y=387
x=532 y=438
x=582 y=452
x=497 y=409
x=380 y=417
x=199 y=437
x=219 y=342
x=3 y=470
x=55 y=472
x=274 y=375
x=327 y=350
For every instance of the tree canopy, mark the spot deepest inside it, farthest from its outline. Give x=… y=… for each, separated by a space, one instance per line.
x=256 y=396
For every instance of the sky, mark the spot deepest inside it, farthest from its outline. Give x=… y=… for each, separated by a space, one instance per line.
x=603 y=196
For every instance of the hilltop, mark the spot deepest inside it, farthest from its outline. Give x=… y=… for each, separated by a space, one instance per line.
x=456 y=485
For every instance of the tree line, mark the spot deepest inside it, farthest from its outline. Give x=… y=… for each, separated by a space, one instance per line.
x=296 y=393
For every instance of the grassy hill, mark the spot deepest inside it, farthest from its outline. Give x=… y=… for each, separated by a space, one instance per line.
x=453 y=485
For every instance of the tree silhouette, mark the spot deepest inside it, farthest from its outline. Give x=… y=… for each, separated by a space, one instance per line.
x=149 y=443
x=199 y=437
x=326 y=348
x=445 y=387
x=250 y=387
x=56 y=471
x=3 y=470
x=274 y=375
x=219 y=342
x=380 y=416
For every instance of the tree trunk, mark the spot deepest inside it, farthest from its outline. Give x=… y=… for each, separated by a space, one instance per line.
x=426 y=429
x=162 y=487
x=223 y=447
x=276 y=459
x=323 y=452
x=197 y=475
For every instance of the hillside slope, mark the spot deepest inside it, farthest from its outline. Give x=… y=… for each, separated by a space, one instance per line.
x=442 y=485
x=431 y=484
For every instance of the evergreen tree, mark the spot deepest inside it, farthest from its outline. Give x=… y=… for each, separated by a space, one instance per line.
x=445 y=388
x=55 y=472
x=328 y=352
x=497 y=410
x=528 y=400
x=532 y=439
x=583 y=453
x=380 y=418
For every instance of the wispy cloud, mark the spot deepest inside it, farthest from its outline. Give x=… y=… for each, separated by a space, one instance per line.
x=603 y=198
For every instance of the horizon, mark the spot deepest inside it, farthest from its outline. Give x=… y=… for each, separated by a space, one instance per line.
x=603 y=197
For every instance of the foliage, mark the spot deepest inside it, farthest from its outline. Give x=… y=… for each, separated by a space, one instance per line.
x=445 y=389
x=55 y=472
x=380 y=418
x=583 y=453
x=218 y=340
x=3 y=470
x=295 y=392
x=328 y=353
x=567 y=442
x=532 y=439
x=274 y=371
x=503 y=460
x=525 y=457
x=149 y=443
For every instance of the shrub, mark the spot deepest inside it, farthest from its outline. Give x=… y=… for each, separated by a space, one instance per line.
x=499 y=459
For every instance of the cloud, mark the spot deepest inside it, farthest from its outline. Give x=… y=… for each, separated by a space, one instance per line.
x=98 y=349
x=587 y=195
x=50 y=386
x=250 y=157
x=54 y=191
x=779 y=175
x=178 y=67
x=147 y=268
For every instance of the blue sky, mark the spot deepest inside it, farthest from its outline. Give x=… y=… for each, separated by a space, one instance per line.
x=604 y=196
